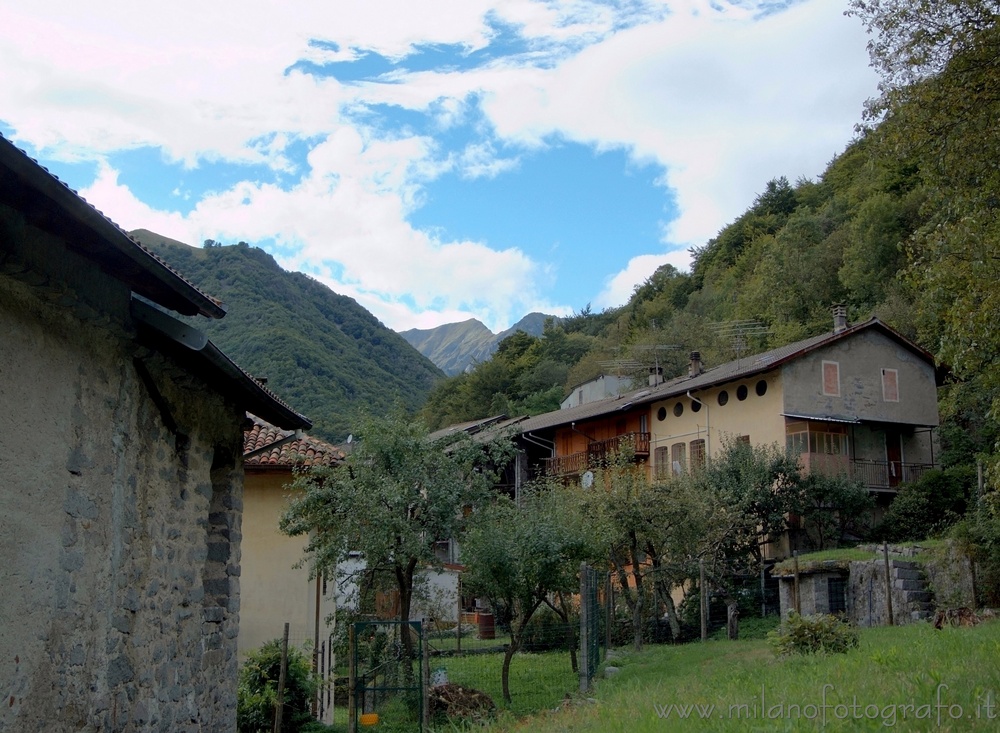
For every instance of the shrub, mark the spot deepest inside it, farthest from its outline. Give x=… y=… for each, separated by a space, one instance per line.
x=257 y=691
x=809 y=634
x=547 y=632
x=927 y=506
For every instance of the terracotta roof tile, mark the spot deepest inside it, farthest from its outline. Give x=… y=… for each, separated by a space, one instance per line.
x=265 y=445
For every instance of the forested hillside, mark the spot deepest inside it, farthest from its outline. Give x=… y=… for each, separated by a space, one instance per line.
x=321 y=352
x=904 y=224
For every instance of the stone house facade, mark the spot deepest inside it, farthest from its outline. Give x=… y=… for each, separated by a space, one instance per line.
x=121 y=442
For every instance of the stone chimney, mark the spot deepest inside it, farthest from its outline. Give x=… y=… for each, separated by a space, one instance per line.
x=655 y=376
x=696 y=368
x=839 y=318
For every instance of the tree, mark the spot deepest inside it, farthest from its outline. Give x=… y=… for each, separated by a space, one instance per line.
x=519 y=556
x=938 y=105
x=396 y=496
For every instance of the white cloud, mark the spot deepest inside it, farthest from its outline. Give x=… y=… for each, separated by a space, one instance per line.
x=619 y=287
x=722 y=100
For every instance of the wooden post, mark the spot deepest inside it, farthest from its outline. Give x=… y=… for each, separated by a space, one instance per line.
x=425 y=720
x=352 y=703
x=280 y=704
x=796 y=603
x=888 y=583
x=704 y=600
x=315 y=701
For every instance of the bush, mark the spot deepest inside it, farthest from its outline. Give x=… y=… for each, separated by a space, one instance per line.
x=547 y=632
x=257 y=691
x=927 y=506
x=810 y=634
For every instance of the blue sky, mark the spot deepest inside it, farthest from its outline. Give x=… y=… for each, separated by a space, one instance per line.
x=438 y=160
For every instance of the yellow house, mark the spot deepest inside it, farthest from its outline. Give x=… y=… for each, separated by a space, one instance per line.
x=273 y=590
x=859 y=400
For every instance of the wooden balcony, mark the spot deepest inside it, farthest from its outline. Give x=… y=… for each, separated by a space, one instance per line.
x=597 y=454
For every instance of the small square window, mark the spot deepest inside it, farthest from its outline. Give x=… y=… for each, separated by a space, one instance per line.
x=831 y=378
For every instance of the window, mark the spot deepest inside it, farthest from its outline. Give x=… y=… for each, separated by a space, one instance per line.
x=697 y=454
x=661 y=414
x=723 y=397
x=678 y=409
x=661 y=462
x=837 y=593
x=831 y=378
x=743 y=439
x=643 y=423
x=678 y=458
x=741 y=392
x=761 y=388
x=890 y=385
x=695 y=406
x=797 y=443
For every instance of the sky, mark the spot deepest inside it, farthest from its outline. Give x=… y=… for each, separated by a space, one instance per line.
x=436 y=160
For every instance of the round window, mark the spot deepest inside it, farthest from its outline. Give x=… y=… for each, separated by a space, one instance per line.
x=695 y=406
x=741 y=392
x=723 y=397
x=761 y=388
x=678 y=409
x=661 y=414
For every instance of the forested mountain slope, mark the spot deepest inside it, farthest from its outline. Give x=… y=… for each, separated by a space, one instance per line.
x=321 y=352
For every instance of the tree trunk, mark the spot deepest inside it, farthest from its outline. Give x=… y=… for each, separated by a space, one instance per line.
x=563 y=612
x=515 y=644
x=732 y=619
x=668 y=603
x=640 y=593
x=404 y=584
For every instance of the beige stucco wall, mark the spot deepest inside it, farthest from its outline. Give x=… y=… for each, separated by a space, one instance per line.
x=757 y=416
x=273 y=590
x=119 y=538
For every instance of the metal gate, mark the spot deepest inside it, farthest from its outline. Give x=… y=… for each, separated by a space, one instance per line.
x=388 y=676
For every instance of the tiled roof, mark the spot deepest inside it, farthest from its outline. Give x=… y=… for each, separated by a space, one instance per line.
x=263 y=448
x=737 y=369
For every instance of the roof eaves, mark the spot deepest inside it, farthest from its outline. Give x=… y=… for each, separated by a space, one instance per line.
x=28 y=187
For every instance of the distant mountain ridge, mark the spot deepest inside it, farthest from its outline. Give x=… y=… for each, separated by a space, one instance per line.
x=454 y=347
x=321 y=352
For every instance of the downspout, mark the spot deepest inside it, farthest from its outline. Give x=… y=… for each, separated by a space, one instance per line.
x=708 y=427
x=572 y=426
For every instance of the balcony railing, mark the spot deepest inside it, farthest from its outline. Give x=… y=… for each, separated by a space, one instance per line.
x=876 y=475
x=886 y=475
x=598 y=453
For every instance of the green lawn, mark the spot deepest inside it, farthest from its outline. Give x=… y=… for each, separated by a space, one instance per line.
x=909 y=678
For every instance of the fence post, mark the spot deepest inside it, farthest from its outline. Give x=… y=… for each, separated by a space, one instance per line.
x=888 y=582
x=352 y=704
x=704 y=600
x=609 y=609
x=584 y=628
x=795 y=587
x=425 y=674
x=458 y=635
x=280 y=704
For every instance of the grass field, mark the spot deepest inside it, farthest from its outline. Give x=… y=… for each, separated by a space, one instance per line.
x=909 y=678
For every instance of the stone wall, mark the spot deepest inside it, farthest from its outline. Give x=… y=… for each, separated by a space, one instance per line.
x=119 y=535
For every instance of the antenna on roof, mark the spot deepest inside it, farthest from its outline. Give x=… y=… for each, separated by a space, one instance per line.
x=739 y=333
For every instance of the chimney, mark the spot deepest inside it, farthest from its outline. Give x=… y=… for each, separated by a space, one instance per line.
x=655 y=376
x=839 y=318
x=695 y=368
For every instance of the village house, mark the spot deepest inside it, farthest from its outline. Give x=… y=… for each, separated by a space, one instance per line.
x=276 y=587
x=121 y=443
x=860 y=400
